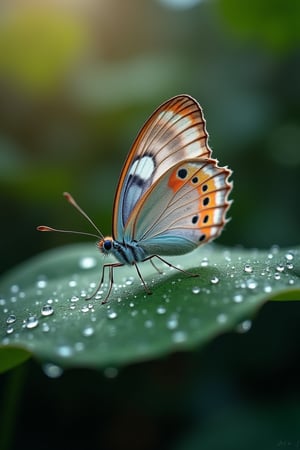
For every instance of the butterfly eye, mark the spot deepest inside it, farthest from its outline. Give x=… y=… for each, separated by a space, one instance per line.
x=107 y=244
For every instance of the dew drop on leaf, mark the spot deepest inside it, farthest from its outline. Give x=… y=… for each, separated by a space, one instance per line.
x=88 y=331
x=214 y=280
x=179 y=337
x=238 y=298
x=267 y=288
x=14 y=289
x=41 y=284
x=149 y=323
x=9 y=329
x=47 y=310
x=65 y=351
x=87 y=262
x=248 y=268
x=251 y=284
x=280 y=267
x=161 y=310
x=244 y=326
x=11 y=319
x=112 y=315
x=31 y=322
x=195 y=289
x=289 y=256
x=172 y=322
x=52 y=370
x=222 y=318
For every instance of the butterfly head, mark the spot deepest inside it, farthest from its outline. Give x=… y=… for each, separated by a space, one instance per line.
x=105 y=245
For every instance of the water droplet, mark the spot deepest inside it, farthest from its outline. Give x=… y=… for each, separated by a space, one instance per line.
x=131 y=305
x=9 y=329
x=291 y=281
x=41 y=284
x=244 y=326
x=85 y=309
x=172 y=322
x=214 y=280
x=112 y=315
x=248 y=268
x=52 y=370
x=87 y=262
x=74 y=299
x=277 y=276
x=148 y=323
x=179 y=337
x=14 y=289
x=204 y=262
x=129 y=281
x=161 y=310
x=290 y=266
x=88 y=331
x=195 y=290
x=238 y=298
x=64 y=351
x=280 y=267
x=11 y=319
x=251 y=284
x=47 y=310
x=31 y=322
x=222 y=318
x=267 y=288
x=72 y=283
x=45 y=327
x=110 y=372
x=289 y=256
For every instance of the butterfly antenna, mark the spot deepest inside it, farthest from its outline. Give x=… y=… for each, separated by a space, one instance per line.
x=46 y=228
x=71 y=200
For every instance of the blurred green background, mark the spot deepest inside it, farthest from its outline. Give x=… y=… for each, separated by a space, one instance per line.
x=77 y=81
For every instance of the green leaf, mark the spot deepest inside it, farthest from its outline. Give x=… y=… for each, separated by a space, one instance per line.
x=43 y=308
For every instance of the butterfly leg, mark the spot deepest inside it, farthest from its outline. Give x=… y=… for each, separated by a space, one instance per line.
x=174 y=267
x=111 y=280
x=156 y=268
x=142 y=280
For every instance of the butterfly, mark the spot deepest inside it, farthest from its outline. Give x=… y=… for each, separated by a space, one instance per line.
x=171 y=196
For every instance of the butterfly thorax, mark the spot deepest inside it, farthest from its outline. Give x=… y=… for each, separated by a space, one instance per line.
x=126 y=253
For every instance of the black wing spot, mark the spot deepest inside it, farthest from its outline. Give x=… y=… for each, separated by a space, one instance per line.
x=195 y=180
x=205 y=201
x=205 y=220
x=195 y=219
x=202 y=237
x=182 y=173
x=204 y=188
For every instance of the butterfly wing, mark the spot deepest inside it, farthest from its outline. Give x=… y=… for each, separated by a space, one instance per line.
x=175 y=132
x=184 y=208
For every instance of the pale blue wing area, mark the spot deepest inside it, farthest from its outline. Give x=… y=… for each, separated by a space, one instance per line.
x=183 y=209
x=175 y=132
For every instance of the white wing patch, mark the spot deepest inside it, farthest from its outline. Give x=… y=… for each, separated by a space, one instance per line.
x=143 y=168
